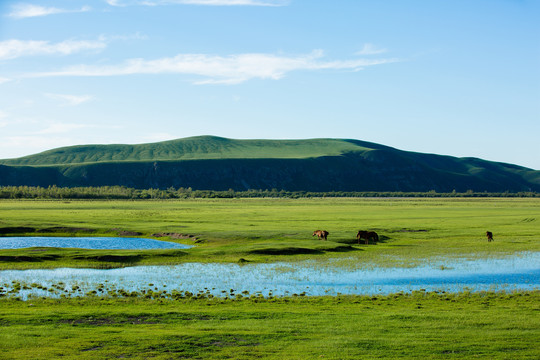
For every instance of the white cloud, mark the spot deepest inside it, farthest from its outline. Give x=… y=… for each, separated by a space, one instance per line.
x=11 y=49
x=113 y=2
x=4 y=80
x=199 y=2
x=70 y=100
x=21 y=11
x=370 y=49
x=224 y=2
x=233 y=69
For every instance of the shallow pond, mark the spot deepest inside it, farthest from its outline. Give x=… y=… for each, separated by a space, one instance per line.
x=518 y=272
x=110 y=243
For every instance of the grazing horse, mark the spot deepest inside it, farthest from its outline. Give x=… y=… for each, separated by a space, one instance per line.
x=366 y=235
x=322 y=234
x=489 y=236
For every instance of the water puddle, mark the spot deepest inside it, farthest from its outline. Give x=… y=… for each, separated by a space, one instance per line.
x=518 y=272
x=109 y=243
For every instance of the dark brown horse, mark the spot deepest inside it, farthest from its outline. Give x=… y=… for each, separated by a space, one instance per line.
x=489 y=236
x=322 y=234
x=366 y=235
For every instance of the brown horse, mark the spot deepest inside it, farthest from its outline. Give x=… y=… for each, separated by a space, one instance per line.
x=489 y=236
x=366 y=235
x=322 y=234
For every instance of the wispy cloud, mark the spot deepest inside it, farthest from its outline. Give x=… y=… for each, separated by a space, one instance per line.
x=199 y=2
x=21 y=11
x=70 y=100
x=114 y=2
x=233 y=69
x=11 y=49
x=370 y=49
x=4 y=80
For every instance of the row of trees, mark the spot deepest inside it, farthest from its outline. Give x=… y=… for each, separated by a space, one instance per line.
x=121 y=192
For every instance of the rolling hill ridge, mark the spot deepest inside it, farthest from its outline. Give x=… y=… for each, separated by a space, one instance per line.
x=215 y=163
x=193 y=148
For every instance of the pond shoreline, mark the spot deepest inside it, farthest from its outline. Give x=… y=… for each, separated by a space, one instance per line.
x=518 y=272
x=87 y=242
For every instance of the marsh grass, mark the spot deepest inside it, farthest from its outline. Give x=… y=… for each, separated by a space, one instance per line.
x=419 y=325
x=412 y=231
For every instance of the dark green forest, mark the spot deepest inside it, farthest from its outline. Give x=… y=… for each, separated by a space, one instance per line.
x=121 y=192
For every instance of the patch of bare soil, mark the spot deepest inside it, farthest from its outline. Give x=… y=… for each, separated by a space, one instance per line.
x=64 y=229
x=177 y=236
x=129 y=233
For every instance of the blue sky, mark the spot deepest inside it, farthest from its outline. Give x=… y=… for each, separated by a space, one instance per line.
x=458 y=77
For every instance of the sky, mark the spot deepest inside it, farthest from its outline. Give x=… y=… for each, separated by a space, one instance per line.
x=459 y=78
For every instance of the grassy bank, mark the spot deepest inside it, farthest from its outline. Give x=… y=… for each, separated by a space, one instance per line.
x=266 y=230
x=434 y=326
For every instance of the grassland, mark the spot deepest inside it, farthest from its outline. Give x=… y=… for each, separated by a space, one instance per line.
x=412 y=326
x=416 y=326
x=267 y=230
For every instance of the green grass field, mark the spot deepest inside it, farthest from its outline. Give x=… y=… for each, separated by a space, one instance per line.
x=267 y=230
x=417 y=326
x=413 y=231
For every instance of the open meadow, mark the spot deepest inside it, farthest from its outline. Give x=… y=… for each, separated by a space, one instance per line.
x=411 y=231
x=436 y=325
x=417 y=326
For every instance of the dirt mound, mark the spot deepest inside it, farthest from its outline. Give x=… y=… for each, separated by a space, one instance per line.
x=285 y=251
x=63 y=229
x=176 y=236
x=129 y=233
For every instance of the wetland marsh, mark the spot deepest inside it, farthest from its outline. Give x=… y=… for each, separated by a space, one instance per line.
x=518 y=272
x=75 y=308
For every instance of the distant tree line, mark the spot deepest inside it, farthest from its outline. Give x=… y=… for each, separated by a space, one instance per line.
x=121 y=192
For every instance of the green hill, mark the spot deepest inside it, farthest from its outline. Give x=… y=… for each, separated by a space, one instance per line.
x=193 y=148
x=214 y=163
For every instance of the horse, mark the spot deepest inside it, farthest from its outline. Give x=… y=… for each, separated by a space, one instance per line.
x=322 y=234
x=366 y=235
x=489 y=236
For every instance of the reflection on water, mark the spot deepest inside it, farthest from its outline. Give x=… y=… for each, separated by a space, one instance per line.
x=519 y=272
x=110 y=243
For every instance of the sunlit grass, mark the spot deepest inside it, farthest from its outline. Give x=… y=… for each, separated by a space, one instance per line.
x=420 y=325
x=268 y=230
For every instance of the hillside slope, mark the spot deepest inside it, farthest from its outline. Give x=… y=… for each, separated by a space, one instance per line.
x=192 y=148
x=221 y=164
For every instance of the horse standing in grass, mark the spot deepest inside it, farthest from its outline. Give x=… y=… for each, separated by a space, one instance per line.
x=366 y=235
x=489 y=236
x=322 y=234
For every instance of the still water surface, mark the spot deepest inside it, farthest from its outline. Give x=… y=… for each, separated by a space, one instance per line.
x=518 y=272
x=109 y=243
